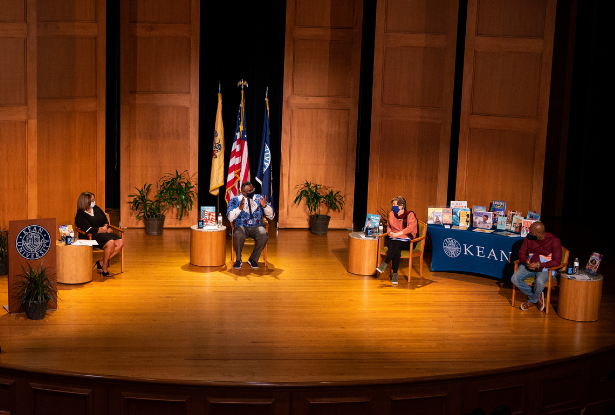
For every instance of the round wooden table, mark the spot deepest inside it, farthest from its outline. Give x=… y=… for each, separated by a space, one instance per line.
x=579 y=299
x=362 y=254
x=207 y=246
x=74 y=263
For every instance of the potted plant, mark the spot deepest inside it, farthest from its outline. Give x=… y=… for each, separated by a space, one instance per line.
x=175 y=191
x=36 y=290
x=150 y=210
x=319 y=199
x=4 y=244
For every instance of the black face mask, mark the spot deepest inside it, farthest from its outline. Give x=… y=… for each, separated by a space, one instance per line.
x=250 y=195
x=531 y=237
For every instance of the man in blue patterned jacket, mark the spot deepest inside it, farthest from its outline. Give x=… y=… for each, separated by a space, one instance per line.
x=246 y=211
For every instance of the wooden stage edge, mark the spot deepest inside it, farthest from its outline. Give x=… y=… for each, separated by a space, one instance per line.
x=302 y=325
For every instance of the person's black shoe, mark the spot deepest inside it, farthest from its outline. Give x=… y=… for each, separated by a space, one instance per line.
x=105 y=274
x=253 y=264
x=98 y=266
x=237 y=264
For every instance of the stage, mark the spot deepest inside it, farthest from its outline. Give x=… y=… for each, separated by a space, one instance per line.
x=302 y=321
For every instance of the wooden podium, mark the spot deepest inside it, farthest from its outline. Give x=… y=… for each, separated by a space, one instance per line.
x=30 y=241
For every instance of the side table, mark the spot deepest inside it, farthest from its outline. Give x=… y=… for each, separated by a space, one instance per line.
x=207 y=246
x=74 y=263
x=362 y=254
x=579 y=299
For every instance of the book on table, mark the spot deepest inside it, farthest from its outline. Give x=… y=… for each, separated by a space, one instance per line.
x=593 y=263
x=501 y=225
x=533 y=215
x=482 y=230
x=437 y=217
x=208 y=215
x=525 y=226
x=479 y=209
x=459 y=203
x=516 y=224
x=464 y=217
x=447 y=216
x=498 y=205
x=509 y=219
x=506 y=233
x=483 y=220
x=372 y=221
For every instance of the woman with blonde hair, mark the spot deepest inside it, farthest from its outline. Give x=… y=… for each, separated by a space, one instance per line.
x=91 y=220
x=402 y=227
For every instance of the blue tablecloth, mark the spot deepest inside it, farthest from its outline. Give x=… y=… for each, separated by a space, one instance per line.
x=464 y=250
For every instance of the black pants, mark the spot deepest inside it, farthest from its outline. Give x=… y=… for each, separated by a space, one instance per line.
x=394 y=252
x=259 y=233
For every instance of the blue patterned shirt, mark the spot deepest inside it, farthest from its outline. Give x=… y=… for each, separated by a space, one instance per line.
x=243 y=217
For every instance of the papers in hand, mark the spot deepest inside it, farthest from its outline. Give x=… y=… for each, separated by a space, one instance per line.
x=85 y=242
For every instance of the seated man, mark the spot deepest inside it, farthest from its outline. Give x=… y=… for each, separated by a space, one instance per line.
x=539 y=251
x=246 y=211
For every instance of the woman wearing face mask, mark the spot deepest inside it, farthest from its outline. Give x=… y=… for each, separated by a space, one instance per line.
x=91 y=220
x=401 y=228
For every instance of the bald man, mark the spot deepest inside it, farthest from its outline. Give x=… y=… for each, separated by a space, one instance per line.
x=539 y=251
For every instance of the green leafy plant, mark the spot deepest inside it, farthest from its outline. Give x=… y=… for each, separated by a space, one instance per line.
x=177 y=191
x=317 y=197
x=144 y=206
x=34 y=285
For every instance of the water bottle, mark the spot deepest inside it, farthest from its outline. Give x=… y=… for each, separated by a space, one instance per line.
x=575 y=268
x=219 y=220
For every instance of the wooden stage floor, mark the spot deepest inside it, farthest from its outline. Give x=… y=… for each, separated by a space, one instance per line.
x=303 y=319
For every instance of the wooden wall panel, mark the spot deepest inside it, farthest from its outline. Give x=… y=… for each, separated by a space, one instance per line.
x=159 y=96
x=71 y=105
x=505 y=99
x=414 y=69
x=17 y=110
x=320 y=110
x=13 y=162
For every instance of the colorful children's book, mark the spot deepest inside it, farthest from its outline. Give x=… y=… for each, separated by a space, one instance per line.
x=372 y=221
x=482 y=220
x=517 y=222
x=495 y=216
x=208 y=215
x=461 y=228
x=430 y=210
x=525 y=226
x=506 y=233
x=593 y=263
x=498 y=205
x=533 y=215
x=509 y=219
x=459 y=203
x=456 y=215
x=501 y=225
x=482 y=230
x=437 y=217
x=479 y=209
x=447 y=216
x=464 y=217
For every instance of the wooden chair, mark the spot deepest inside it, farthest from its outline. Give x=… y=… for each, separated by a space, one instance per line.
x=417 y=248
x=250 y=241
x=552 y=282
x=116 y=229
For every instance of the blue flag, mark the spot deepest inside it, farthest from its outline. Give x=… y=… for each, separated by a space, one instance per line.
x=264 y=175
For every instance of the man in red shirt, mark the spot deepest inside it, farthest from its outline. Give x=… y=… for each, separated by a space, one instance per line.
x=539 y=251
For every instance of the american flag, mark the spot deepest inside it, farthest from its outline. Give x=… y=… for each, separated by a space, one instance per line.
x=239 y=165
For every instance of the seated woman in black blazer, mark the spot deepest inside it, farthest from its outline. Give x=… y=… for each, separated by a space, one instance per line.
x=93 y=221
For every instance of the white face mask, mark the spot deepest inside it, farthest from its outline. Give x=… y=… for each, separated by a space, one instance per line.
x=93 y=204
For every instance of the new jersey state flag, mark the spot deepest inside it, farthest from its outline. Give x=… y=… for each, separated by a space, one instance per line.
x=217 y=161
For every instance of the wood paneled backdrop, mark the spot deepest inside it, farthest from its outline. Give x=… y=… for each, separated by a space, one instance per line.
x=52 y=106
x=320 y=110
x=505 y=102
x=159 y=95
x=414 y=70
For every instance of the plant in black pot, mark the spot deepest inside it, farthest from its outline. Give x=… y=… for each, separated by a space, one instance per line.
x=319 y=200
x=148 y=209
x=4 y=244
x=36 y=289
